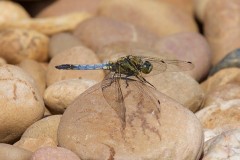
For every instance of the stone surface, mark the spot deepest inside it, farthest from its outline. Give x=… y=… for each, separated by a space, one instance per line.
x=220 y=116
x=222 y=77
x=48 y=26
x=19 y=44
x=230 y=60
x=111 y=31
x=62 y=7
x=224 y=146
x=97 y=131
x=189 y=47
x=21 y=102
x=200 y=8
x=158 y=17
x=222 y=16
x=62 y=41
x=60 y=95
x=76 y=55
x=54 y=153
x=37 y=72
x=42 y=133
x=10 y=152
x=11 y=11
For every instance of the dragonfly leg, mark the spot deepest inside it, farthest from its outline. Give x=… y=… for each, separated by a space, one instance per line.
x=143 y=80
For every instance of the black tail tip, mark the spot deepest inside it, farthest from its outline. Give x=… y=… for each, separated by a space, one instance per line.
x=63 y=66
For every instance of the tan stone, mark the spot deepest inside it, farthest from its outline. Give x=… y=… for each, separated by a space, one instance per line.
x=97 y=131
x=21 y=102
x=19 y=44
x=37 y=72
x=60 y=95
x=10 y=152
x=158 y=17
x=40 y=134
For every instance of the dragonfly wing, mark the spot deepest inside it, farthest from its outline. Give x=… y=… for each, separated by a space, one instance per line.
x=112 y=92
x=165 y=65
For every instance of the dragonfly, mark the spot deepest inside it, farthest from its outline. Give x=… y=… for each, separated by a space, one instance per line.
x=130 y=67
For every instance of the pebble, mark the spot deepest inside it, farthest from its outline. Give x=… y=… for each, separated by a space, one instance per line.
x=42 y=133
x=54 y=153
x=20 y=44
x=223 y=146
x=95 y=130
x=111 y=31
x=21 y=102
x=10 y=152
x=11 y=11
x=188 y=46
x=157 y=17
x=221 y=27
x=62 y=41
x=75 y=55
x=36 y=71
x=62 y=7
x=60 y=95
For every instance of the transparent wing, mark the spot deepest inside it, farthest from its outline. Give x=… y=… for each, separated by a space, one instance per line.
x=112 y=93
x=165 y=65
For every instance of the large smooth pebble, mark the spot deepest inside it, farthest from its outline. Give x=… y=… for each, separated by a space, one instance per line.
x=42 y=133
x=76 y=55
x=19 y=44
x=37 y=72
x=222 y=77
x=60 y=95
x=223 y=146
x=54 y=153
x=188 y=46
x=158 y=17
x=96 y=131
x=111 y=31
x=11 y=11
x=62 y=41
x=20 y=101
x=10 y=152
x=220 y=117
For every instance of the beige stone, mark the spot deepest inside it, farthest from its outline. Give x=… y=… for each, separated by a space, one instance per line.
x=40 y=134
x=37 y=72
x=10 y=152
x=158 y=17
x=60 y=95
x=96 y=130
x=19 y=44
x=21 y=102
x=11 y=11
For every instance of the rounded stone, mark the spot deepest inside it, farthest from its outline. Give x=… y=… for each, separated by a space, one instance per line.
x=11 y=11
x=96 y=130
x=10 y=152
x=60 y=95
x=37 y=72
x=19 y=44
x=188 y=47
x=223 y=146
x=21 y=102
x=155 y=16
x=54 y=153
x=111 y=31
x=76 y=55
x=62 y=41
x=42 y=133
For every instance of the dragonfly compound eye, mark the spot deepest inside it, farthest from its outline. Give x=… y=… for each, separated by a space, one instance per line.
x=146 y=67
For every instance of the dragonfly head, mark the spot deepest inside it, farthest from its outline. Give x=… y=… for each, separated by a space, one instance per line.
x=146 y=67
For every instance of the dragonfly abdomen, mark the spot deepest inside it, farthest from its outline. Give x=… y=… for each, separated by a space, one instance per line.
x=83 y=67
